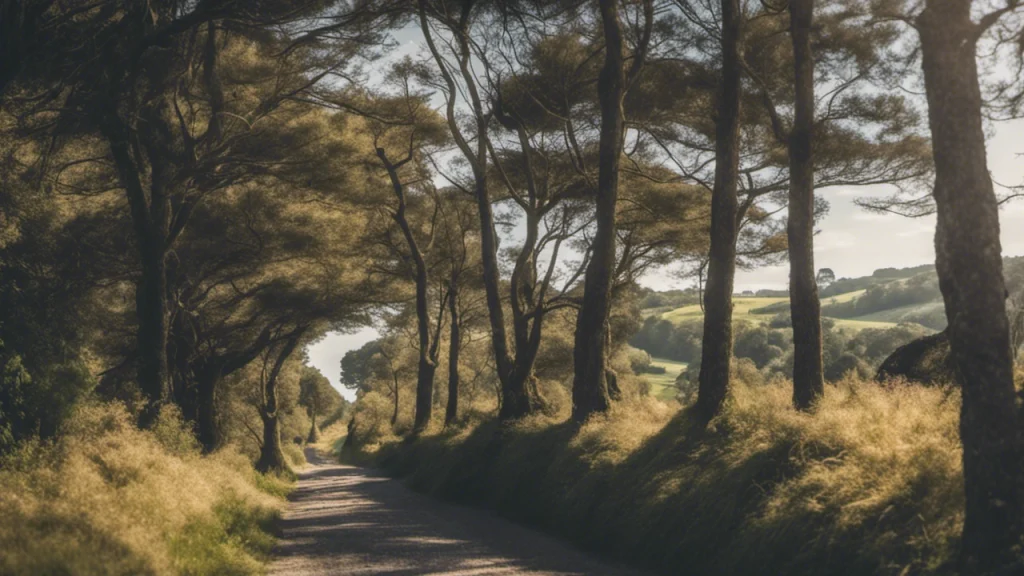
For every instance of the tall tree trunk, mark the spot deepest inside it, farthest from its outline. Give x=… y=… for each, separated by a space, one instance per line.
x=515 y=398
x=589 y=386
x=451 y=412
x=424 y=392
x=716 y=351
x=969 y=264
x=808 y=368
x=394 y=412
x=314 y=434
x=427 y=365
x=206 y=421
x=271 y=455
x=514 y=402
x=151 y=312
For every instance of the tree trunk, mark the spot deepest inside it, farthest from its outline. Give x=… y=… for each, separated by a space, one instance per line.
x=394 y=413
x=427 y=365
x=150 y=214
x=451 y=412
x=424 y=392
x=969 y=263
x=271 y=455
x=611 y=377
x=206 y=422
x=808 y=366
x=716 y=351
x=151 y=309
x=589 y=386
x=514 y=402
x=314 y=434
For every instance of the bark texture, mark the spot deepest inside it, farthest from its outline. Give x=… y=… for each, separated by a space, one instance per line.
x=969 y=264
x=716 y=351
x=590 y=386
x=271 y=456
x=808 y=366
x=451 y=412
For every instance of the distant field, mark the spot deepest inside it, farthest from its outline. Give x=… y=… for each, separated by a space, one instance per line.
x=898 y=314
x=860 y=324
x=663 y=385
x=741 y=307
x=742 y=311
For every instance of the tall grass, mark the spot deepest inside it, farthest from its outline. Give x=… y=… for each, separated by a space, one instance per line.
x=870 y=483
x=107 y=498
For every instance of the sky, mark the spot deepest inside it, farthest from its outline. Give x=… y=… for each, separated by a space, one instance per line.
x=851 y=241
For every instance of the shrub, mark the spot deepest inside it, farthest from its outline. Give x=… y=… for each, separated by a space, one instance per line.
x=107 y=498
x=868 y=484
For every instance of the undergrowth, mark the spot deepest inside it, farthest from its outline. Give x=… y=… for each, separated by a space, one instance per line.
x=870 y=483
x=107 y=498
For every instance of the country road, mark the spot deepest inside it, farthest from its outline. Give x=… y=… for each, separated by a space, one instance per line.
x=347 y=520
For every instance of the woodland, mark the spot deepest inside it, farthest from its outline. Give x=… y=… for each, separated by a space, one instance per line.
x=194 y=192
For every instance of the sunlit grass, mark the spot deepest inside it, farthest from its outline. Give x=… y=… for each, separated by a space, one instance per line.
x=663 y=386
x=108 y=498
x=870 y=483
x=743 y=307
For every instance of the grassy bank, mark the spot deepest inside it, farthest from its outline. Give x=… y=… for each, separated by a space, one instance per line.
x=107 y=498
x=870 y=484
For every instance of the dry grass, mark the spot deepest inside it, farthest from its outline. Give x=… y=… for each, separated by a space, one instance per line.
x=107 y=498
x=869 y=484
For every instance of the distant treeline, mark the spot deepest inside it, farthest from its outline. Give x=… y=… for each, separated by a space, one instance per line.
x=770 y=346
x=920 y=289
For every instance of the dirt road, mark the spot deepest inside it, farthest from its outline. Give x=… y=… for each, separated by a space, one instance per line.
x=346 y=520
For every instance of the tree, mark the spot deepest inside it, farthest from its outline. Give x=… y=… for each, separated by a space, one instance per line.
x=148 y=82
x=271 y=456
x=825 y=277
x=355 y=366
x=716 y=352
x=516 y=399
x=411 y=128
x=590 y=386
x=318 y=397
x=969 y=264
x=457 y=238
x=808 y=366
x=532 y=88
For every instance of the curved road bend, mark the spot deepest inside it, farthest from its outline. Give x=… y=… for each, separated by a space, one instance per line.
x=347 y=520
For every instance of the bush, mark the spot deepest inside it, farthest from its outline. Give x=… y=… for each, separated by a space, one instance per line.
x=107 y=498
x=869 y=484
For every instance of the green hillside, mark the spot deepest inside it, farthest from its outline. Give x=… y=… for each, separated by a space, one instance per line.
x=663 y=386
x=864 y=320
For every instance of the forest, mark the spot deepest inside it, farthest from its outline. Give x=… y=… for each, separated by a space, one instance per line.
x=194 y=193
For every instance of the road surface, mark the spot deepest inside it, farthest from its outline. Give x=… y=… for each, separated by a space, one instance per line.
x=347 y=520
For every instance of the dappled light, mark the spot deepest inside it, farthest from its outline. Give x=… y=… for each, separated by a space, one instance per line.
x=561 y=288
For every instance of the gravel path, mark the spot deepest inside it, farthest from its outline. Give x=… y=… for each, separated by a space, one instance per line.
x=347 y=520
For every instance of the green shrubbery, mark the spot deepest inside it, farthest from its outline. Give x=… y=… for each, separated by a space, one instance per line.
x=870 y=483
x=107 y=498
